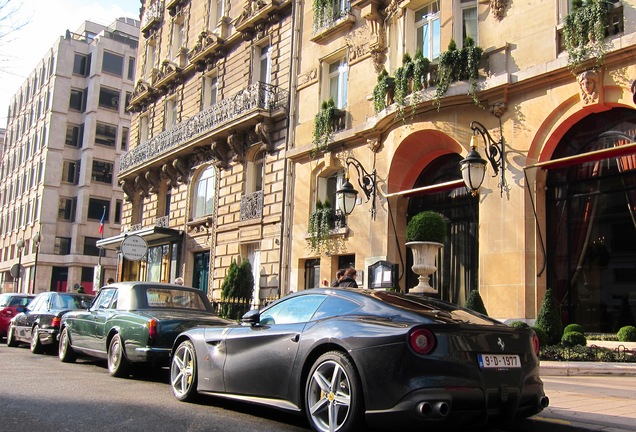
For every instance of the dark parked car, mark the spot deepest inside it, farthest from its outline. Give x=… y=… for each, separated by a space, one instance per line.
x=39 y=323
x=343 y=356
x=9 y=304
x=134 y=322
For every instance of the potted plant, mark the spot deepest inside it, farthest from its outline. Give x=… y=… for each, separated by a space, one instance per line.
x=425 y=235
x=323 y=125
x=383 y=91
x=321 y=222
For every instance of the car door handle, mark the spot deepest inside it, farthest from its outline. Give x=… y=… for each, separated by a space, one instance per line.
x=295 y=338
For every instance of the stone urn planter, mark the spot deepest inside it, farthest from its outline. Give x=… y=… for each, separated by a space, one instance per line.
x=425 y=235
x=424 y=264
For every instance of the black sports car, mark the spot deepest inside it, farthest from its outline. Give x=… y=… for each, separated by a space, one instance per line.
x=39 y=323
x=343 y=356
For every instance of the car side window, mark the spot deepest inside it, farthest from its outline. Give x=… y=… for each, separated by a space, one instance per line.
x=335 y=306
x=36 y=303
x=104 y=299
x=295 y=310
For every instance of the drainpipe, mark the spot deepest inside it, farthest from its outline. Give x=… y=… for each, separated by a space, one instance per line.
x=288 y=186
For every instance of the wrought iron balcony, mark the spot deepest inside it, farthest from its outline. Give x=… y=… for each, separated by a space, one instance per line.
x=332 y=15
x=252 y=205
x=162 y=221
x=258 y=97
x=153 y=15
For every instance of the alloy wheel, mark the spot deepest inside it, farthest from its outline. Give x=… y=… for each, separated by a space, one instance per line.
x=329 y=396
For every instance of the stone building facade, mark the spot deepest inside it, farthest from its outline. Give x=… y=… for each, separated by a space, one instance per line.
x=67 y=125
x=203 y=179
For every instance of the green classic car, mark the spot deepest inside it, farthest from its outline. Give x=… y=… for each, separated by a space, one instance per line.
x=134 y=322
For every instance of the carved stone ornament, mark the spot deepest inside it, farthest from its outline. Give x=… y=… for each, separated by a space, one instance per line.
x=170 y=174
x=589 y=86
x=498 y=109
x=141 y=87
x=221 y=152
x=358 y=44
x=142 y=184
x=167 y=68
x=129 y=189
x=183 y=170
x=308 y=77
x=263 y=132
x=250 y=9
x=154 y=180
x=374 y=144
x=393 y=10
x=634 y=91
x=236 y=140
x=498 y=7
x=204 y=40
x=201 y=155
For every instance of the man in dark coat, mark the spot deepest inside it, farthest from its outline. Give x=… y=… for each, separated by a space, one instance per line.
x=339 y=276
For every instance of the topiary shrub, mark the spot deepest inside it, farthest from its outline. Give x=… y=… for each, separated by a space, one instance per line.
x=475 y=303
x=573 y=328
x=543 y=337
x=573 y=338
x=236 y=290
x=627 y=334
x=519 y=325
x=426 y=226
x=549 y=319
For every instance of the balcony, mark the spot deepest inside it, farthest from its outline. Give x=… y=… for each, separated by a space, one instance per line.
x=252 y=206
x=152 y=17
x=225 y=129
x=334 y=19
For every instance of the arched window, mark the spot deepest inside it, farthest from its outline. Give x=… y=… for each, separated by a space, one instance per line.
x=205 y=194
x=255 y=173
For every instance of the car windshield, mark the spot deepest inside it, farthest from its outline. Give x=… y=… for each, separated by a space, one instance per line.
x=431 y=308
x=72 y=302
x=174 y=298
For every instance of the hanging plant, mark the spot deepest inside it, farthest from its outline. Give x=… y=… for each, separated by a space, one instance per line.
x=323 y=126
x=456 y=65
x=381 y=90
x=321 y=222
x=584 y=32
x=322 y=12
x=403 y=77
x=421 y=69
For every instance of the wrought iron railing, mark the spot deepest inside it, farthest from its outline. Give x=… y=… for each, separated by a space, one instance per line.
x=152 y=14
x=332 y=14
x=257 y=96
x=252 y=205
x=162 y=221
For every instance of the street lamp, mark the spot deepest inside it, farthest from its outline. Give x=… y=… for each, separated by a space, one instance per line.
x=37 y=238
x=20 y=246
x=347 y=195
x=473 y=167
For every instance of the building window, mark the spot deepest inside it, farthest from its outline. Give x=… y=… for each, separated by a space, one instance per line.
x=205 y=194
x=78 y=100
x=338 y=73
x=327 y=186
x=113 y=63
x=178 y=37
x=70 y=172
x=90 y=246
x=144 y=129
x=74 y=135
x=255 y=173
x=105 y=134
x=427 y=30
x=170 y=113
x=109 y=98
x=81 y=64
x=131 y=68
x=468 y=28
x=62 y=246
x=102 y=172
x=210 y=91
x=125 y=134
x=263 y=65
x=127 y=102
x=151 y=55
x=216 y=11
x=96 y=208
x=66 y=209
x=118 y=208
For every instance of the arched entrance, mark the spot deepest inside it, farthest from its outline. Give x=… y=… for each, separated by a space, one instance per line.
x=458 y=261
x=591 y=223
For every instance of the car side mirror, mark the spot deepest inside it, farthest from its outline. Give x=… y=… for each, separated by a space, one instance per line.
x=252 y=317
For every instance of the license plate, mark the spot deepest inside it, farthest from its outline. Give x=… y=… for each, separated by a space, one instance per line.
x=501 y=361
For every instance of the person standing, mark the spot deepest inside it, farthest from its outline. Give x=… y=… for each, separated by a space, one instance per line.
x=349 y=278
x=178 y=281
x=339 y=276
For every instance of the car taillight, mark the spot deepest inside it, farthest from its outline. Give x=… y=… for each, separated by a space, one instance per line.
x=6 y=312
x=422 y=341
x=535 y=343
x=55 y=322
x=152 y=328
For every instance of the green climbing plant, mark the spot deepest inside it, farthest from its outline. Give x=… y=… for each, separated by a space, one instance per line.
x=323 y=126
x=321 y=222
x=584 y=31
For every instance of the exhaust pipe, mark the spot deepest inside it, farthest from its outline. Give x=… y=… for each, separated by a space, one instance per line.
x=544 y=402
x=437 y=410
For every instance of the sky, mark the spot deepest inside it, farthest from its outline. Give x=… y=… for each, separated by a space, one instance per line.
x=44 y=21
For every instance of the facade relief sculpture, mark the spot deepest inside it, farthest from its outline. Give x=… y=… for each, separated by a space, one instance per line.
x=589 y=86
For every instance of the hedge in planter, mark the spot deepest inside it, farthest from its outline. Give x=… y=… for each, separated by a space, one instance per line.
x=426 y=226
x=475 y=303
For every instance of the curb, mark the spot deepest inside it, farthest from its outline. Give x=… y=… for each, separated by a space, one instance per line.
x=557 y=368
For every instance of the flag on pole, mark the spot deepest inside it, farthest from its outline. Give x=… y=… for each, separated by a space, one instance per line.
x=101 y=222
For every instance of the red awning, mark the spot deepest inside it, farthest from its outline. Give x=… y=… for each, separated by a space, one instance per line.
x=425 y=190
x=608 y=153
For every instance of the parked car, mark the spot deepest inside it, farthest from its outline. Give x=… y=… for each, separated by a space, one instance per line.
x=9 y=304
x=39 y=323
x=134 y=322
x=343 y=356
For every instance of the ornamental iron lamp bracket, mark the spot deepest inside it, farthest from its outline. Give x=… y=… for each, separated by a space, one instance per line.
x=347 y=194
x=495 y=153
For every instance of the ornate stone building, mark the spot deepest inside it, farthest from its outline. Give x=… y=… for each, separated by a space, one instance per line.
x=542 y=218
x=203 y=176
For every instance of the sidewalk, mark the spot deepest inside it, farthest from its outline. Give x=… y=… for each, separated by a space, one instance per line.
x=586 y=396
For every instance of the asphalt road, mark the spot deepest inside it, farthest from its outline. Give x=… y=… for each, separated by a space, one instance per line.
x=38 y=393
